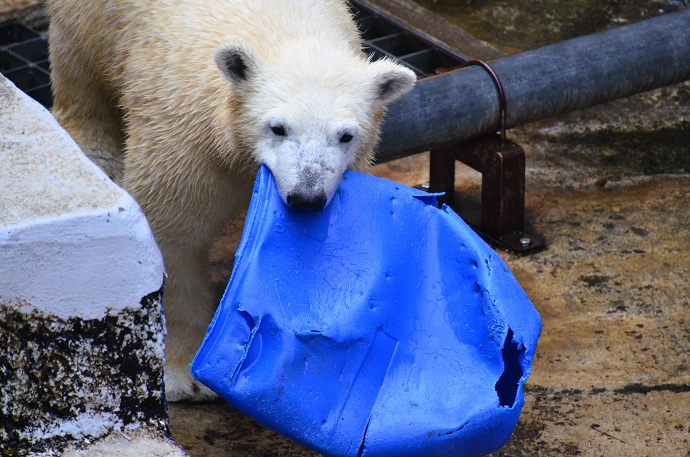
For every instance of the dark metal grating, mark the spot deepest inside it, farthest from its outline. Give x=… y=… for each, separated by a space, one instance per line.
x=384 y=37
x=24 y=60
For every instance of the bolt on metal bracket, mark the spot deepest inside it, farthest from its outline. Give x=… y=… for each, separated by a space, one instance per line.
x=502 y=165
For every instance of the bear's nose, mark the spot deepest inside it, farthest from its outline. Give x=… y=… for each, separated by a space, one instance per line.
x=310 y=202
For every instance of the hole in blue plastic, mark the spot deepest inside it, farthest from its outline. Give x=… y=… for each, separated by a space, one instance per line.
x=248 y=319
x=507 y=385
x=254 y=345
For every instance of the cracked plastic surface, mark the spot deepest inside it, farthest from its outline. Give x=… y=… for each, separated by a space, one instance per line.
x=381 y=325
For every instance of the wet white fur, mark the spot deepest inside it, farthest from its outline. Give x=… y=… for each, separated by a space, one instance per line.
x=137 y=87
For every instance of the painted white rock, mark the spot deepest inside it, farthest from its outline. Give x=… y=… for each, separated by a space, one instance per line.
x=64 y=226
x=80 y=294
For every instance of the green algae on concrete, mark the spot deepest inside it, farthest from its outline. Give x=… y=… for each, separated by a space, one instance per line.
x=66 y=381
x=518 y=26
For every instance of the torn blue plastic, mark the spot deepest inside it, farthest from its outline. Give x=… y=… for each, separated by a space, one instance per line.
x=380 y=326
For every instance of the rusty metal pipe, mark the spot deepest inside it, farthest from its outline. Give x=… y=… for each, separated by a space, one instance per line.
x=555 y=79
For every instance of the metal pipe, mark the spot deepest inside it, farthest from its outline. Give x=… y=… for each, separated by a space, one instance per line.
x=555 y=79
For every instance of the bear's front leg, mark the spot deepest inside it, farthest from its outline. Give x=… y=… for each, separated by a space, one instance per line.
x=187 y=204
x=189 y=306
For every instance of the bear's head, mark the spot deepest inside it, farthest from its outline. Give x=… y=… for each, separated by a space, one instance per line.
x=309 y=112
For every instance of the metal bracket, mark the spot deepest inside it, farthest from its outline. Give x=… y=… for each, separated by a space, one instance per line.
x=502 y=165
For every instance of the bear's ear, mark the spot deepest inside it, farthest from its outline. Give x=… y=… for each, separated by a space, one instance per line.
x=391 y=81
x=235 y=62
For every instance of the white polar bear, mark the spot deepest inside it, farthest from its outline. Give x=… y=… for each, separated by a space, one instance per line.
x=179 y=101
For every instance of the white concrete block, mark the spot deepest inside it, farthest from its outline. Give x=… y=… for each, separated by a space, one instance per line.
x=80 y=296
x=64 y=226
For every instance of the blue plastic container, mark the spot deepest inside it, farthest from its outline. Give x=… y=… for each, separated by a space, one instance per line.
x=380 y=326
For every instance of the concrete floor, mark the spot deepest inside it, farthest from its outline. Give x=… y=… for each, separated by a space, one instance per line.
x=609 y=189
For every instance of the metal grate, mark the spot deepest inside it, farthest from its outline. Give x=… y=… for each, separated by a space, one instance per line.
x=24 y=60
x=384 y=37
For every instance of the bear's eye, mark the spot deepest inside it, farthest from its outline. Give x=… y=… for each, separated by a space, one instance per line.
x=278 y=130
x=346 y=137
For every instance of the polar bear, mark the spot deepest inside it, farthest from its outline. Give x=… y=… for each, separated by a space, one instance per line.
x=179 y=101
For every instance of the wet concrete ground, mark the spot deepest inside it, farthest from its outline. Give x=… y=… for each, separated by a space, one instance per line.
x=609 y=189
x=518 y=25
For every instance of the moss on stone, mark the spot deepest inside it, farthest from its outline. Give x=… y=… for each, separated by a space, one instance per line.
x=75 y=379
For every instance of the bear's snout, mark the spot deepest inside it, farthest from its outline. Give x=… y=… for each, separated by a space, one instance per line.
x=309 y=193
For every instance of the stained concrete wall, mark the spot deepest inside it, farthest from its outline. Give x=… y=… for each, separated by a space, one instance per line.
x=81 y=328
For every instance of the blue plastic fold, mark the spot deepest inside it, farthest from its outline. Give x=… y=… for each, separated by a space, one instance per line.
x=380 y=326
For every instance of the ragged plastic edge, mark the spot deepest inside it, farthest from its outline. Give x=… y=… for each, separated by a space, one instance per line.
x=509 y=383
x=429 y=198
x=517 y=351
